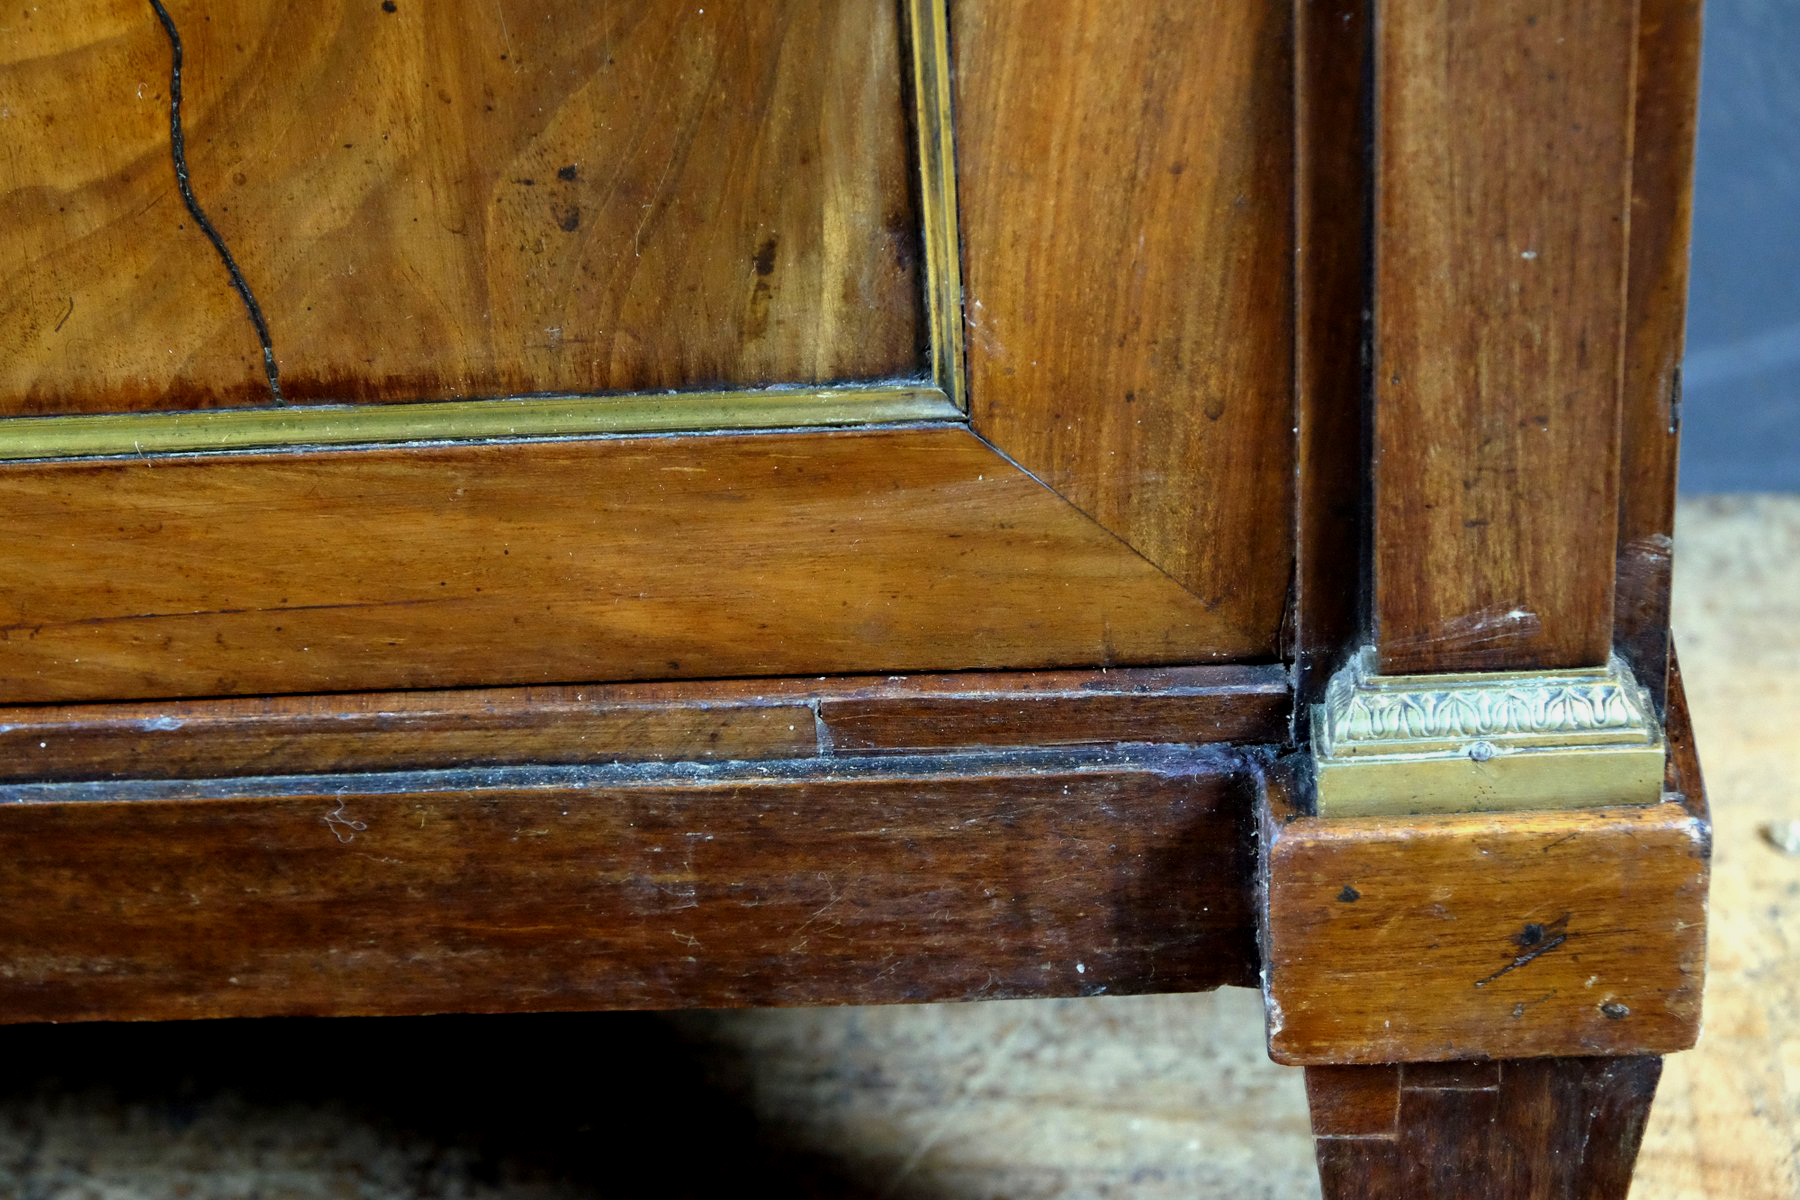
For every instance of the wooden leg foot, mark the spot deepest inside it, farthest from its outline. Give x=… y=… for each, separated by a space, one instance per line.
x=1514 y=1129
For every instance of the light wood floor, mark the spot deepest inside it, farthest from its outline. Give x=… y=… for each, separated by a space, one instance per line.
x=1142 y=1097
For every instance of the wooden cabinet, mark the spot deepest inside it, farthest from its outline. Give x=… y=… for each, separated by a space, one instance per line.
x=525 y=505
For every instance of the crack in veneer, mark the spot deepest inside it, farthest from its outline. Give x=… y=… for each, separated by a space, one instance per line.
x=178 y=153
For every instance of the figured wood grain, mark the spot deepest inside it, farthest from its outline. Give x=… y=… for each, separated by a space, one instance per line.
x=559 y=562
x=1126 y=180
x=446 y=199
x=1487 y=935
x=697 y=720
x=1662 y=184
x=1333 y=211
x=1521 y=1129
x=637 y=888
x=1503 y=134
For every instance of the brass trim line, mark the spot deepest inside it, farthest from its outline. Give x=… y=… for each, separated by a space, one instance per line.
x=39 y=438
x=1388 y=745
x=929 y=24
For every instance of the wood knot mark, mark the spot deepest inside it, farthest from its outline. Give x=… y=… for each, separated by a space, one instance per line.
x=1534 y=941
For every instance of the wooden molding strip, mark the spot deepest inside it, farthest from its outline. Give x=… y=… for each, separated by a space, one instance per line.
x=896 y=879
x=708 y=720
x=133 y=435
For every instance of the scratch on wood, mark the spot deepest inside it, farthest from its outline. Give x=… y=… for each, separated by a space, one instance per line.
x=344 y=827
x=1536 y=941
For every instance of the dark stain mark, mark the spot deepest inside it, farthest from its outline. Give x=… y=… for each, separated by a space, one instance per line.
x=389 y=6
x=764 y=258
x=1349 y=895
x=568 y=219
x=178 y=153
x=567 y=174
x=1534 y=941
x=1176 y=168
x=1612 y=1010
x=756 y=320
x=63 y=320
x=526 y=182
x=905 y=241
x=1215 y=408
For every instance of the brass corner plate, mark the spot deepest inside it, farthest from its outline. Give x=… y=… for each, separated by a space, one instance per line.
x=1491 y=740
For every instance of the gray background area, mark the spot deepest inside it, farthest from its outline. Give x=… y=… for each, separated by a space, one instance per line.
x=1741 y=385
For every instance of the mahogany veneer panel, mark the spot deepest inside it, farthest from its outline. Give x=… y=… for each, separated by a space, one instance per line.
x=1503 y=168
x=627 y=558
x=1126 y=180
x=659 y=887
x=438 y=198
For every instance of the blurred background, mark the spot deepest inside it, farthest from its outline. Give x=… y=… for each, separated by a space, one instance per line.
x=1142 y=1097
x=1741 y=381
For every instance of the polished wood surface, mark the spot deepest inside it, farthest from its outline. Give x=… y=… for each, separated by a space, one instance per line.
x=907 y=879
x=1127 y=229
x=1522 y=1129
x=435 y=200
x=1662 y=182
x=557 y=562
x=1503 y=142
x=696 y=721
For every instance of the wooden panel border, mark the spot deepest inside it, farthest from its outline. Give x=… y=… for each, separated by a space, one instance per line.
x=907 y=549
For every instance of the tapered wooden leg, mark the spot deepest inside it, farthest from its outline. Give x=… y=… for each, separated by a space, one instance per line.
x=1515 y=1129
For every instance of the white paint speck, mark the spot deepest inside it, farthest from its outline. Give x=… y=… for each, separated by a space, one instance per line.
x=1081 y=968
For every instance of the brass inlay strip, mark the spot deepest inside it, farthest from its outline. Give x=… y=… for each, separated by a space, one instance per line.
x=520 y=417
x=198 y=431
x=929 y=24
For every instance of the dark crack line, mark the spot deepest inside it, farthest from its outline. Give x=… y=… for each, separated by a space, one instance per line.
x=178 y=151
x=1533 y=952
